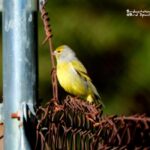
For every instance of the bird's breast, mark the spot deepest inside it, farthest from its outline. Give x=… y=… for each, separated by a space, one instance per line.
x=69 y=79
x=65 y=75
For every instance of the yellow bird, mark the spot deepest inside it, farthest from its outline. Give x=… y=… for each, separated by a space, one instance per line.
x=73 y=76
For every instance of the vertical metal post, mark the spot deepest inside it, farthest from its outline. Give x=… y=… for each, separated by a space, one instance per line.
x=19 y=68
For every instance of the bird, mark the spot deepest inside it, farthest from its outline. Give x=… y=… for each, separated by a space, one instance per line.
x=73 y=76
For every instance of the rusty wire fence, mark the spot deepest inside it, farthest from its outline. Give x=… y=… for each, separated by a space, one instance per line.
x=77 y=125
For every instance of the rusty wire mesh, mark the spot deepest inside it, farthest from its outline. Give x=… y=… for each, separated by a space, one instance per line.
x=78 y=125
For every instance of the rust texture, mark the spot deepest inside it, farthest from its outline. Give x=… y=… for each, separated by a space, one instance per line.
x=48 y=33
x=78 y=125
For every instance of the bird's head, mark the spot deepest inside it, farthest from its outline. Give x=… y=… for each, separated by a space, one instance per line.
x=64 y=53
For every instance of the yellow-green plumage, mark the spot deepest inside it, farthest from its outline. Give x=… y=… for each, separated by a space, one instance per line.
x=72 y=75
x=71 y=81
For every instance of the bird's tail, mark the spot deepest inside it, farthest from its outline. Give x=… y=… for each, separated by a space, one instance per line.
x=96 y=95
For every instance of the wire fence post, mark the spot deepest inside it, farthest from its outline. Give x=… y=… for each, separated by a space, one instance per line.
x=19 y=69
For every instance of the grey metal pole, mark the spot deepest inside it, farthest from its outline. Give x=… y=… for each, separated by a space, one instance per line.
x=19 y=68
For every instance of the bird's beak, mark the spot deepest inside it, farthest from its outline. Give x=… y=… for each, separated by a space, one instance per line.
x=54 y=53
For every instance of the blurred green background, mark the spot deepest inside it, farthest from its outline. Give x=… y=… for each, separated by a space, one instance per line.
x=114 y=48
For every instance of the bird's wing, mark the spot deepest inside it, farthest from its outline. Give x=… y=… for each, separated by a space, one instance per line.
x=80 y=69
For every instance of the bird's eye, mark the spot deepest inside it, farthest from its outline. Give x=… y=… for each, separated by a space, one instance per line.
x=58 y=51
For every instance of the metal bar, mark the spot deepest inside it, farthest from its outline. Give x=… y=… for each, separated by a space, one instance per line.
x=1 y=5
x=1 y=113
x=19 y=68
